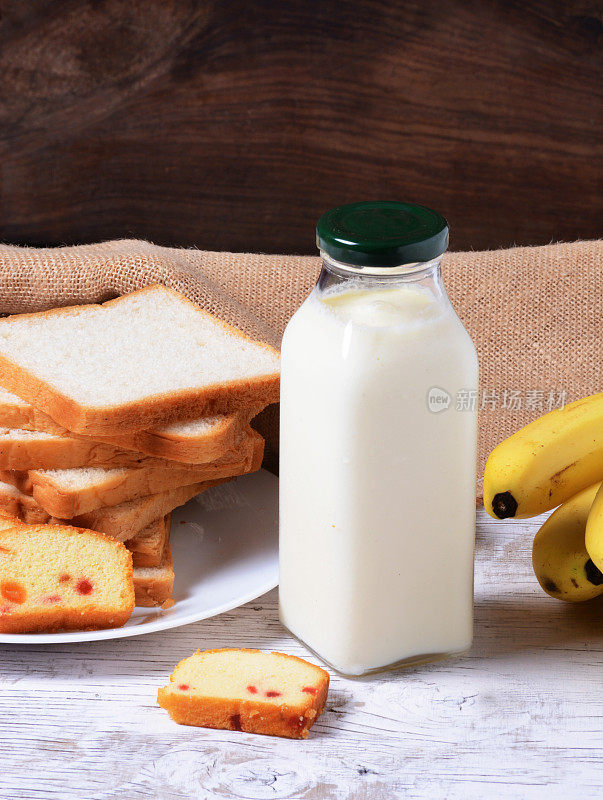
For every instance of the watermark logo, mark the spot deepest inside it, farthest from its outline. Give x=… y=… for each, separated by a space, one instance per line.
x=542 y=400
x=438 y=399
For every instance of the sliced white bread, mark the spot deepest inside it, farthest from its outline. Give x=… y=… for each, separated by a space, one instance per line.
x=23 y=450
x=19 y=478
x=120 y=522
x=154 y=585
x=146 y=359
x=124 y=520
x=19 y=505
x=194 y=441
x=147 y=546
x=57 y=577
x=68 y=493
x=20 y=449
x=16 y=413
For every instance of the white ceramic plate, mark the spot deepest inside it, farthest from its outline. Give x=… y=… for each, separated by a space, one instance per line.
x=225 y=550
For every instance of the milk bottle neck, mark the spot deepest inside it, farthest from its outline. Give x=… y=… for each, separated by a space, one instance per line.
x=425 y=274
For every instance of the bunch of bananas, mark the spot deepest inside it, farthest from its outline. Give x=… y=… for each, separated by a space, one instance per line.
x=557 y=460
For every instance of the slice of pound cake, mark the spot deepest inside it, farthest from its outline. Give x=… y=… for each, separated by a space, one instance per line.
x=246 y=690
x=55 y=577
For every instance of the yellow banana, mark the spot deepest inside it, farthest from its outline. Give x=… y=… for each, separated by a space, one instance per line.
x=594 y=530
x=559 y=557
x=546 y=462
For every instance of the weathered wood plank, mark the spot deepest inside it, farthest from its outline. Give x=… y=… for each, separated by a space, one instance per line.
x=233 y=126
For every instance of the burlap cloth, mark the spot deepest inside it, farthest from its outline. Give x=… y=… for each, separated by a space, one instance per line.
x=534 y=313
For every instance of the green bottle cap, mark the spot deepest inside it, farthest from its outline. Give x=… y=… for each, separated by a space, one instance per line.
x=382 y=234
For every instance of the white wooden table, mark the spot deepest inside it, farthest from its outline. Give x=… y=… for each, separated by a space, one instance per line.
x=521 y=716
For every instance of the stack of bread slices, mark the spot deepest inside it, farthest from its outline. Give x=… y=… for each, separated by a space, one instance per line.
x=113 y=415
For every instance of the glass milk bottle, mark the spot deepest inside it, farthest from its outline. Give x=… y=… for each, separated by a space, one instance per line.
x=378 y=448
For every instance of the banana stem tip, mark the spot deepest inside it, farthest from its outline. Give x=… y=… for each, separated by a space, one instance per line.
x=504 y=505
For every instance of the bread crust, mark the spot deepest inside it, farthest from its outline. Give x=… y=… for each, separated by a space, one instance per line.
x=250 y=716
x=148 y=546
x=155 y=590
x=120 y=522
x=68 y=620
x=140 y=482
x=223 y=436
x=69 y=452
x=22 y=507
x=138 y=415
x=28 y=418
x=217 y=398
x=19 y=478
x=189 y=450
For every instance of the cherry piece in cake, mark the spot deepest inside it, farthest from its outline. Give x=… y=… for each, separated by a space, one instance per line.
x=52 y=598
x=13 y=591
x=84 y=586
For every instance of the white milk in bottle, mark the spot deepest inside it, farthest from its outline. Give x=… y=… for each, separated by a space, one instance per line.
x=378 y=448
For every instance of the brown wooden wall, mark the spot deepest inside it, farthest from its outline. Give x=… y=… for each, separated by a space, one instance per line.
x=233 y=125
